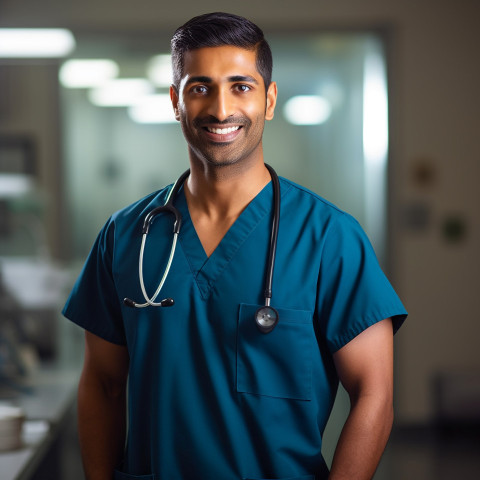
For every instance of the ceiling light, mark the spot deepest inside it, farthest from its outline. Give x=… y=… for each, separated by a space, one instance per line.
x=35 y=42
x=153 y=109
x=14 y=185
x=86 y=73
x=307 y=110
x=159 y=70
x=122 y=92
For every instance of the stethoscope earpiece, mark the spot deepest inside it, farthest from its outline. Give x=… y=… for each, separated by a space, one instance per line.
x=166 y=302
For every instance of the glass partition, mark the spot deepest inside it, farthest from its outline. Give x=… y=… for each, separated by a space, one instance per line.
x=336 y=145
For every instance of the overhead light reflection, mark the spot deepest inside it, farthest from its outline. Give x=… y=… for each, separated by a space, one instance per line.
x=307 y=110
x=375 y=111
x=35 y=42
x=14 y=185
x=87 y=73
x=159 y=70
x=122 y=92
x=153 y=109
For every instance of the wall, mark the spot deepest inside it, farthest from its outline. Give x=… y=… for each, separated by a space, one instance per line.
x=434 y=106
x=29 y=96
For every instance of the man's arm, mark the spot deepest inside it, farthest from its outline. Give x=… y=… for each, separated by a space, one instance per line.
x=365 y=368
x=101 y=407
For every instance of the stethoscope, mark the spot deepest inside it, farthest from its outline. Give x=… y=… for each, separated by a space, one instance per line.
x=266 y=317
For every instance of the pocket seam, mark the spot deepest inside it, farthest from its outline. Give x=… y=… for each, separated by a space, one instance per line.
x=246 y=362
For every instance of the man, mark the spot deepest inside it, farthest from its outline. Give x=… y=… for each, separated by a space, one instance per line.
x=210 y=396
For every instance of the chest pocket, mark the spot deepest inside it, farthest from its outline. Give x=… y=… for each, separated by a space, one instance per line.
x=279 y=363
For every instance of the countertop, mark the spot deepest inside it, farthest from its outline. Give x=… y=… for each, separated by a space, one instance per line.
x=47 y=398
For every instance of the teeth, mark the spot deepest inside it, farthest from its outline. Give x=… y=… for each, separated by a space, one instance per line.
x=223 y=131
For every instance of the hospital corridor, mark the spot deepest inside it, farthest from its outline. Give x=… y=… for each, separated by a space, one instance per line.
x=376 y=112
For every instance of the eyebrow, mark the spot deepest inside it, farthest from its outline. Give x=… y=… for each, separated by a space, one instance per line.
x=232 y=79
x=243 y=78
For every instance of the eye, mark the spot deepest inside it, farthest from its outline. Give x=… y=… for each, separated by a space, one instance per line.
x=243 y=88
x=199 y=89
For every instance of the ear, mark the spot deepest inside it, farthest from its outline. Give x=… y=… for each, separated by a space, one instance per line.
x=271 y=100
x=174 y=99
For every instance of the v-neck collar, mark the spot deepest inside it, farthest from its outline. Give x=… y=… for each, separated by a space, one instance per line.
x=206 y=269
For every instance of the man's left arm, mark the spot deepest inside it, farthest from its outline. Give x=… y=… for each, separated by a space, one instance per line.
x=365 y=369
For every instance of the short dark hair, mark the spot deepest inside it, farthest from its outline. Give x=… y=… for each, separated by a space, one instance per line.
x=219 y=29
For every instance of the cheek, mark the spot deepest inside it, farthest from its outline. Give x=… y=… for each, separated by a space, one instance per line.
x=258 y=121
x=186 y=118
x=257 y=109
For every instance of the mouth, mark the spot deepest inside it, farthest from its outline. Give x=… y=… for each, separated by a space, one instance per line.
x=221 y=135
x=222 y=131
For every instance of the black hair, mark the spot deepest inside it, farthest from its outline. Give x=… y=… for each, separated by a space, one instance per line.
x=219 y=29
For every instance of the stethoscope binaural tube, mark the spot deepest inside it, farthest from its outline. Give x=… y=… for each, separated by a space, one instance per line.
x=149 y=218
x=266 y=317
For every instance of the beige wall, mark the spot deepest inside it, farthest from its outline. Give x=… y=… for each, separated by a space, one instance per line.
x=29 y=107
x=435 y=76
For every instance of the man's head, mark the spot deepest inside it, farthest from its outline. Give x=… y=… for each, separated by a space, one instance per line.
x=220 y=29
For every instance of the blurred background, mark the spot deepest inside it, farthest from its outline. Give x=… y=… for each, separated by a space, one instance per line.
x=377 y=111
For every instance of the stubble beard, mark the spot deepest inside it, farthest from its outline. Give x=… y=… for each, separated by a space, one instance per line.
x=221 y=155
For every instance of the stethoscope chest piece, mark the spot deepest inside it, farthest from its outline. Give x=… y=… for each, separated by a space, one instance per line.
x=266 y=318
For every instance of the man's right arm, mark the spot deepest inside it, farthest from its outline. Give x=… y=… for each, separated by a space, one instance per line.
x=102 y=407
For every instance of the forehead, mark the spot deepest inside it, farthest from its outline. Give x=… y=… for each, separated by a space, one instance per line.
x=220 y=61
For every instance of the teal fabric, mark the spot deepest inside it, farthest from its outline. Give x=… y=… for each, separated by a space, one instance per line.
x=210 y=396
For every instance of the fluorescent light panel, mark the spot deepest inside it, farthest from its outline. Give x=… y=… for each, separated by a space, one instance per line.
x=35 y=42
x=307 y=110
x=153 y=109
x=87 y=73
x=159 y=70
x=14 y=185
x=122 y=92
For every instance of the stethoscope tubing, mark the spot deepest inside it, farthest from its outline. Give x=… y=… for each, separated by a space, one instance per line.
x=273 y=235
x=149 y=219
x=151 y=301
x=266 y=317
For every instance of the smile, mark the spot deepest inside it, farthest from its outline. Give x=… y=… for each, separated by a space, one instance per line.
x=222 y=131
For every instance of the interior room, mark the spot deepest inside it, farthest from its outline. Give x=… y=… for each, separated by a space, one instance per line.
x=377 y=112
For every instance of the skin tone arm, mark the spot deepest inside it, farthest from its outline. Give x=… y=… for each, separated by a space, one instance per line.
x=102 y=407
x=365 y=368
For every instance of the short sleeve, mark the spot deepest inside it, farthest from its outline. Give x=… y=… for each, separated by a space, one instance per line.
x=93 y=303
x=354 y=293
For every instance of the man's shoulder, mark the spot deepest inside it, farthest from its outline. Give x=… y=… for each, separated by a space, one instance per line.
x=142 y=206
x=304 y=197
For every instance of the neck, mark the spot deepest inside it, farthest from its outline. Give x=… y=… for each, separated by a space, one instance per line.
x=223 y=192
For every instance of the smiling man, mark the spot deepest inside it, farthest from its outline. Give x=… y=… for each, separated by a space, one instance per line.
x=236 y=377
x=226 y=108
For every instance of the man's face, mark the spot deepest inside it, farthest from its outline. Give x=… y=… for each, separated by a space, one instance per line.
x=222 y=105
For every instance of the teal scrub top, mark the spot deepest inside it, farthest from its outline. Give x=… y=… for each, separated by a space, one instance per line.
x=211 y=397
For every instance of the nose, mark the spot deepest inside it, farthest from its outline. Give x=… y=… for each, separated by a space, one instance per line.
x=222 y=104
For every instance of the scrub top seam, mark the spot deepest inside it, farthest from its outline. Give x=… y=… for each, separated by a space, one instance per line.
x=190 y=266
x=360 y=325
x=205 y=293
x=230 y=257
x=314 y=195
x=207 y=275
